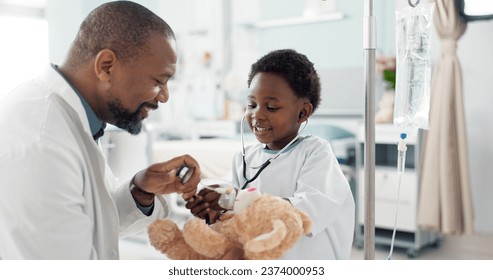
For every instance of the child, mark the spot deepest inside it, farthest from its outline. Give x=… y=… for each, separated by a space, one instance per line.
x=284 y=93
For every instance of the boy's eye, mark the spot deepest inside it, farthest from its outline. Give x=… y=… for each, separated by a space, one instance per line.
x=251 y=106
x=271 y=109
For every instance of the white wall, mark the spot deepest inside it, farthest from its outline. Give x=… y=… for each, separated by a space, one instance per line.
x=64 y=18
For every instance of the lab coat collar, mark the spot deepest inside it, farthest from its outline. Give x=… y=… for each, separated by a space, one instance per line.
x=59 y=86
x=96 y=125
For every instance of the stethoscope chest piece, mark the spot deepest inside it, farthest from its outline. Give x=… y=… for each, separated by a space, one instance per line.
x=185 y=173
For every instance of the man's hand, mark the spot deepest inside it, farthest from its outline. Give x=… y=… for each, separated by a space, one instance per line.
x=161 y=178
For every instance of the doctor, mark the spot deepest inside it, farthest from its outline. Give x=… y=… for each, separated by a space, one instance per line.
x=59 y=199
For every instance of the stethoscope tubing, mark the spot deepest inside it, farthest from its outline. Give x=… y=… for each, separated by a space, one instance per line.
x=267 y=162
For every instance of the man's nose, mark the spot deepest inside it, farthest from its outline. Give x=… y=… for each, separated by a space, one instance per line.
x=163 y=95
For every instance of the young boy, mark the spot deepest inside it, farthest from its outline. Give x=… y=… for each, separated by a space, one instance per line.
x=284 y=93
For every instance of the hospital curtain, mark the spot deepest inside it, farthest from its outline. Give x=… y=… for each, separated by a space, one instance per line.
x=445 y=203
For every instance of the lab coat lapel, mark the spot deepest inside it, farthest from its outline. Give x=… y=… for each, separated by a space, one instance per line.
x=99 y=181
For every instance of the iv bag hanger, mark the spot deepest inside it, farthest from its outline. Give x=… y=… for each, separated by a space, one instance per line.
x=413 y=5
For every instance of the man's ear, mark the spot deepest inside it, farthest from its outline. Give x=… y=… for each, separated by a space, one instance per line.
x=105 y=60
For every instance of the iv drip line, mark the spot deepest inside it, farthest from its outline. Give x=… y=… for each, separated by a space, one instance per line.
x=401 y=161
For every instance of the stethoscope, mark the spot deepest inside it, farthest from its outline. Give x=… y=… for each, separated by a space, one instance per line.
x=267 y=162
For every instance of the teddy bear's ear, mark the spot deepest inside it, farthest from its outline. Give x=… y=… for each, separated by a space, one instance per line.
x=269 y=240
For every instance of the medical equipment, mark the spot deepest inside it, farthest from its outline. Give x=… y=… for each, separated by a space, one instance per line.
x=401 y=155
x=369 y=46
x=185 y=173
x=267 y=162
x=413 y=61
x=401 y=161
x=227 y=191
x=412 y=95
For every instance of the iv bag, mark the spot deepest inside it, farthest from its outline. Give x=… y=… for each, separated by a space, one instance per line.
x=413 y=66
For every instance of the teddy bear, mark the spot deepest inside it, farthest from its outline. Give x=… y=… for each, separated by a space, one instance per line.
x=260 y=227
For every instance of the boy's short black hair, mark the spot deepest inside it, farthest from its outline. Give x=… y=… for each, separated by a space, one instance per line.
x=295 y=68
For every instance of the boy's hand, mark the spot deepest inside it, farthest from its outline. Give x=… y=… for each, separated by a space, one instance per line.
x=205 y=205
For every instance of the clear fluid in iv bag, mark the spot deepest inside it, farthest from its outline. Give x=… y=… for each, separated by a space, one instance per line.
x=413 y=77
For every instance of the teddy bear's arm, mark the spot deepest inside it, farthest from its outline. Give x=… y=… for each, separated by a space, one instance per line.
x=166 y=237
x=269 y=240
x=204 y=239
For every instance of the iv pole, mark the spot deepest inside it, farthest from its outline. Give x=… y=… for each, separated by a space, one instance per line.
x=369 y=46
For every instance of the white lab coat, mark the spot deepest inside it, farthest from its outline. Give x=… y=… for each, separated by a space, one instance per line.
x=309 y=175
x=59 y=199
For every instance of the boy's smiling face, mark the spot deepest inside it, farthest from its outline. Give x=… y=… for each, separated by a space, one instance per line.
x=273 y=112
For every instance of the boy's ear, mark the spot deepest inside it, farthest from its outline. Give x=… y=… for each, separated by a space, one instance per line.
x=305 y=112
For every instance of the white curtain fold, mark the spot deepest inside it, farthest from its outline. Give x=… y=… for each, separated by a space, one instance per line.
x=445 y=203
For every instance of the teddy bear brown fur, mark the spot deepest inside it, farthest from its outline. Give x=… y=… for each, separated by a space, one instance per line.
x=264 y=230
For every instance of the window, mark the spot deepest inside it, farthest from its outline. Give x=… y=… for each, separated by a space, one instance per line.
x=24 y=36
x=471 y=10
